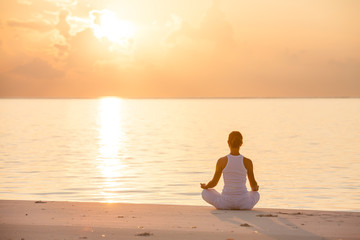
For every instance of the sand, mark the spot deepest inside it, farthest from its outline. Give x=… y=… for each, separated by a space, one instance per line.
x=75 y=220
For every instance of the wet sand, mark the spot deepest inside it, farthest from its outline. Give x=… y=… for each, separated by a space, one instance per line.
x=79 y=220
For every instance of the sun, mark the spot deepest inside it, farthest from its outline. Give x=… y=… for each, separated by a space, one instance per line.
x=107 y=25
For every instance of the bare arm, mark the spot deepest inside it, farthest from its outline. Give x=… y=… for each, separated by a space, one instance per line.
x=250 y=172
x=220 y=165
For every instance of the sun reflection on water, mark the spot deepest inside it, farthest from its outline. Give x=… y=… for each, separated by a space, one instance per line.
x=110 y=142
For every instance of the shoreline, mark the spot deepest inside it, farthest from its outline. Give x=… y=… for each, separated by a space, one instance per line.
x=186 y=204
x=24 y=219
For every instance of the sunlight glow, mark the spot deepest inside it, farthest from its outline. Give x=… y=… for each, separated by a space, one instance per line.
x=110 y=140
x=107 y=25
x=110 y=127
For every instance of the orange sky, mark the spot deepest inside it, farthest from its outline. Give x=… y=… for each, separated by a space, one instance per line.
x=161 y=48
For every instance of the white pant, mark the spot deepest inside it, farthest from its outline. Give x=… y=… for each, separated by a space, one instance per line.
x=245 y=201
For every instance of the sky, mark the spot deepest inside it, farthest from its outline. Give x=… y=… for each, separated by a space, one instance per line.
x=179 y=48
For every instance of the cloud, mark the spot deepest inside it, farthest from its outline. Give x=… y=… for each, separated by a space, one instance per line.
x=36 y=78
x=84 y=50
x=64 y=3
x=63 y=26
x=62 y=50
x=37 y=69
x=41 y=26
x=213 y=27
x=77 y=24
x=25 y=2
x=203 y=55
x=50 y=46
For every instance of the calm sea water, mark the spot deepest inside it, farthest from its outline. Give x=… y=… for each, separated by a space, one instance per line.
x=306 y=152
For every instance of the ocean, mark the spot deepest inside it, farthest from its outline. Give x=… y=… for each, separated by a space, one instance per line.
x=306 y=152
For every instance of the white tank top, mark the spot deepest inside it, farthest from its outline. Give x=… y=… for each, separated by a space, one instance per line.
x=234 y=175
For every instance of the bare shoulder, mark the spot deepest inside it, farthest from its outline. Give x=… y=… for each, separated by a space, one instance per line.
x=248 y=163
x=247 y=160
x=222 y=162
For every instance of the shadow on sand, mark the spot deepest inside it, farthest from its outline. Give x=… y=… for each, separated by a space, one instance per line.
x=270 y=224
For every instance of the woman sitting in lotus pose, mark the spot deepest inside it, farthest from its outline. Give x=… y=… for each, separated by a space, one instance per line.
x=235 y=168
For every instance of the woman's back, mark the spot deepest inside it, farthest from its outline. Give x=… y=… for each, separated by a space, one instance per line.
x=234 y=175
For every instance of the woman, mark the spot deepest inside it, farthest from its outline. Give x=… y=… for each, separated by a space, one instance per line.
x=235 y=168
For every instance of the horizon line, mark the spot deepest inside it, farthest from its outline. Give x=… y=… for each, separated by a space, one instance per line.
x=176 y=98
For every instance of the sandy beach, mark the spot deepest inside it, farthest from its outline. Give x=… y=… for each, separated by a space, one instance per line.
x=77 y=220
